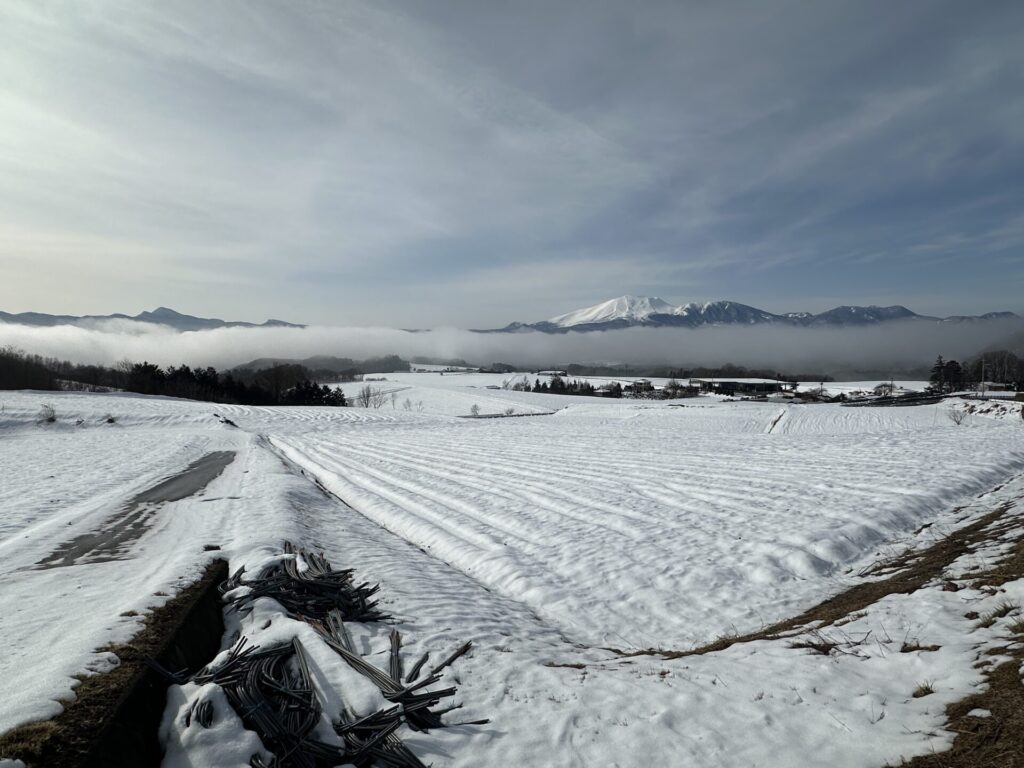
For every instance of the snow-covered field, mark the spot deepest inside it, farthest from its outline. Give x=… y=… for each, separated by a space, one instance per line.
x=457 y=392
x=546 y=540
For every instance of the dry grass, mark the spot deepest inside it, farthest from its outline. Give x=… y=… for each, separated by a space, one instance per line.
x=914 y=645
x=64 y=741
x=927 y=688
x=1005 y=608
x=996 y=741
x=565 y=665
x=817 y=644
x=28 y=740
x=909 y=571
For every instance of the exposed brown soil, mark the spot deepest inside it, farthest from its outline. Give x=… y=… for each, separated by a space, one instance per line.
x=81 y=735
x=909 y=572
x=996 y=741
x=558 y=665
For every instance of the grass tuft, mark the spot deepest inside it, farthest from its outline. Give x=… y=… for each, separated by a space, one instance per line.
x=1005 y=608
x=924 y=689
x=914 y=645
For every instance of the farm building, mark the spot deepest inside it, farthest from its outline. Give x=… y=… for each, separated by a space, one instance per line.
x=640 y=387
x=748 y=387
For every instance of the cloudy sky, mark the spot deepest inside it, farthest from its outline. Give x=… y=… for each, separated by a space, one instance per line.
x=472 y=163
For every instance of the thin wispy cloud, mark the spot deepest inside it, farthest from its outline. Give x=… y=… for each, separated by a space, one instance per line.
x=377 y=163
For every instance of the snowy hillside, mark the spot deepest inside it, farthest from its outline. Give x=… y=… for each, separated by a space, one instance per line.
x=629 y=308
x=556 y=542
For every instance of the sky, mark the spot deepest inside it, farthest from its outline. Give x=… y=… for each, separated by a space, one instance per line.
x=467 y=163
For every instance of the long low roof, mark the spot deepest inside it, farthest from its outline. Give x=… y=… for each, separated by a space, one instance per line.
x=716 y=380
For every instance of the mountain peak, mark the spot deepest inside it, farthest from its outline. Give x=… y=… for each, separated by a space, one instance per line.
x=628 y=308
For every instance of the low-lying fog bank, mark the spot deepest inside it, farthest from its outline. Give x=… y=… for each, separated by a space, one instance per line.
x=895 y=345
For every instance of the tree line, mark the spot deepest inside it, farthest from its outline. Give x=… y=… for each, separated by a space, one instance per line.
x=727 y=371
x=1001 y=367
x=287 y=384
x=559 y=386
x=556 y=385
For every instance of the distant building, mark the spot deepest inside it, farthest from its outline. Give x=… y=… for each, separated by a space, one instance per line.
x=640 y=387
x=746 y=387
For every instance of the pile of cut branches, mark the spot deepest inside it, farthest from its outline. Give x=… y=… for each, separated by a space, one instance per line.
x=310 y=591
x=271 y=689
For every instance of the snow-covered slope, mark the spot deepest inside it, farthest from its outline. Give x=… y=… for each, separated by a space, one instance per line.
x=848 y=315
x=545 y=540
x=640 y=310
x=630 y=308
x=718 y=312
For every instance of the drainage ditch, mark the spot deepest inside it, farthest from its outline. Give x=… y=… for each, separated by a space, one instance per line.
x=114 y=719
x=274 y=695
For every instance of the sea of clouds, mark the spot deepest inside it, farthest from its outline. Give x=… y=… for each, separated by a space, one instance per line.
x=896 y=345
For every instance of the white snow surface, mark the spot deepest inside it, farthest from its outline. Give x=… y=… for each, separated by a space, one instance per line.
x=639 y=308
x=545 y=540
x=633 y=308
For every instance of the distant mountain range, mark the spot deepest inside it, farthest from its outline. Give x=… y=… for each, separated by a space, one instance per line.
x=623 y=312
x=653 y=312
x=159 y=316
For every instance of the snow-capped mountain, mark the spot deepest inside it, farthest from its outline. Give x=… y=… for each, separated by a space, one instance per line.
x=634 y=309
x=630 y=311
x=627 y=311
x=720 y=313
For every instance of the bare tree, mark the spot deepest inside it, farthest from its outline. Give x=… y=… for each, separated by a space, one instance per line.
x=475 y=410
x=363 y=396
x=957 y=415
x=394 y=400
x=371 y=397
x=407 y=404
x=123 y=368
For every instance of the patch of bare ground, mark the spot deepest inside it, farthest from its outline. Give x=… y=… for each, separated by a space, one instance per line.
x=995 y=740
x=79 y=735
x=908 y=572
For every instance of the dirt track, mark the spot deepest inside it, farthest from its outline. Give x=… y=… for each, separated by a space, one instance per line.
x=111 y=541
